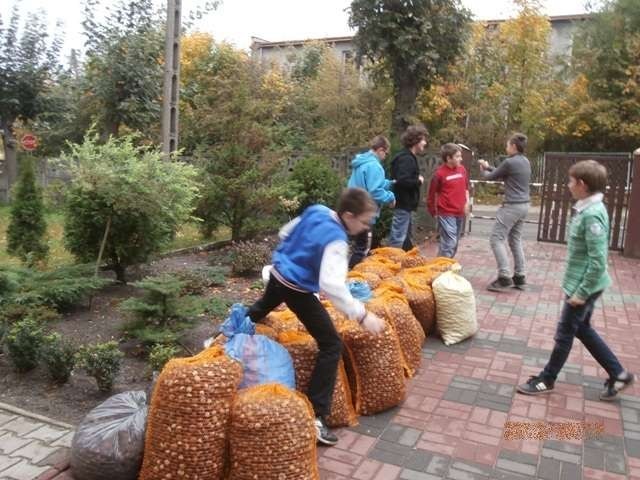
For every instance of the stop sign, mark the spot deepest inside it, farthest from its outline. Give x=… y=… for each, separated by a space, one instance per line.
x=29 y=142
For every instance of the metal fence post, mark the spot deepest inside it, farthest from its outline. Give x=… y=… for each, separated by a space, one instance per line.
x=632 y=235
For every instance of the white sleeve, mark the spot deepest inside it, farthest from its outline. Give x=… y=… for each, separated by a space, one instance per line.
x=286 y=229
x=333 y=278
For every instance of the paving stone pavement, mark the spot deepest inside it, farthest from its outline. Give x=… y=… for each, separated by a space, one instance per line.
x=32 y=446
x=452 y=422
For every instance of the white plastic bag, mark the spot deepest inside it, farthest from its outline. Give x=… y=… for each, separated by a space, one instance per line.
x=109 y=441
x=455 y=308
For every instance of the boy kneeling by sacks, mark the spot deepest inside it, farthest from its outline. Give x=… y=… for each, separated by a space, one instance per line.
x=313 y=256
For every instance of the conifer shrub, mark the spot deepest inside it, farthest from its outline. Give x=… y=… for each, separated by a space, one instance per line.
x=27 y=226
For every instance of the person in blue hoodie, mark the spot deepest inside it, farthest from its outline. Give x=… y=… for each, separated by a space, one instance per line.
x=312 y=258
x=367 y=173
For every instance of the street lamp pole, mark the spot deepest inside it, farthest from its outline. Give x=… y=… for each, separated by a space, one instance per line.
x=171 y=87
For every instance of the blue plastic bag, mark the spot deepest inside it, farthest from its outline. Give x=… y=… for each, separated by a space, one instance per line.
x=263 y=360
x=237 y=322
x=360 y=290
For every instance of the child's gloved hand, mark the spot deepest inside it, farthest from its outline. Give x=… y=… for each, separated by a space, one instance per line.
x=373 y=323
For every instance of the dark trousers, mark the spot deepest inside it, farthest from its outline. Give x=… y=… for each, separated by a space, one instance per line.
x=361 y=247
x=316 y=320
x=576 y=322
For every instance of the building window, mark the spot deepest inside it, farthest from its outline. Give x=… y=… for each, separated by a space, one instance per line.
x=348 y=57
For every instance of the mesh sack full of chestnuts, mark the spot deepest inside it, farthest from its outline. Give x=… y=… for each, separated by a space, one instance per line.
x=375 y=364
x=443 y=264
x=392 y=253
x=381 y=266
x=390 y=303
x=189 y=417
x=369 y=278
x=272 y=435
x=282 y=321
x=413 y=258
x=417 y=288
x=304 y=350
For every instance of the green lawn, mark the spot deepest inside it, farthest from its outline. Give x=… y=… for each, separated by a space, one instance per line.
x=187 y=236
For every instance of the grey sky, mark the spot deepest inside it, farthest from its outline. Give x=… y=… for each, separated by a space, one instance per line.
x=238 y=20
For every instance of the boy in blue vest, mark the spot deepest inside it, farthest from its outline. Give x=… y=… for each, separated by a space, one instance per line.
x=313 y=257
x=584 y=281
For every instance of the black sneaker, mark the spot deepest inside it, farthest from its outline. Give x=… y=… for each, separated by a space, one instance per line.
x=323 y=434
x=612 y=387
x=536 y=385
x=519 y=282
x=500 y=284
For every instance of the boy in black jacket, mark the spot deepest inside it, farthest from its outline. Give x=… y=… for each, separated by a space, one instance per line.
x=406 y=173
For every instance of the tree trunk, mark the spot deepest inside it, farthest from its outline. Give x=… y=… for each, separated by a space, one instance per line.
x=119 y=270
x=102 y=244
x=405 y=92
x=10 y=157
x=111 y=129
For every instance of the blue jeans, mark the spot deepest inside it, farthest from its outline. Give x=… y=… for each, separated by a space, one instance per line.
x=400 y=236
x=576 y=322
x=450 y=229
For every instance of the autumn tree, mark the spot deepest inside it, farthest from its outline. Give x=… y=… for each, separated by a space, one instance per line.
x=503 y=83
x=124 y=65
x=607 y=63
x=231 y=110
x=27 y=65
x=414 y=40
x=348 y=109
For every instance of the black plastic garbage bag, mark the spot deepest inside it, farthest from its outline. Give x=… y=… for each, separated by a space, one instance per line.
x=109 y=442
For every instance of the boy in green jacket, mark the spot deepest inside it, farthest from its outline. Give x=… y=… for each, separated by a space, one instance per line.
x=584 y=280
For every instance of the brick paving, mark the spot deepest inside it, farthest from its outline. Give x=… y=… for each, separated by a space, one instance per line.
x=452 y=422
x=32 y=446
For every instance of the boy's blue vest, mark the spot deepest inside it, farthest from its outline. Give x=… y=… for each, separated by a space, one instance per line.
x=298 y=257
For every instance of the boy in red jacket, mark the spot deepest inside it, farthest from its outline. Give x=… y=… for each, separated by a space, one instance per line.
x=448 y=200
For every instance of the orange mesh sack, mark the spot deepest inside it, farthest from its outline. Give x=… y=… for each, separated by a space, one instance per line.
x=266 y=330
x=369 y=278
x=337 y=317
x=304 y=350
x=389 y=303
x=417 y=289
x=392 y=253
x=282 y=321
x=375 y=364
x=383 y=267
x=443 y=264
x=413 y=258
x=394 y=283
x=189 y=417
x=272 y=435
